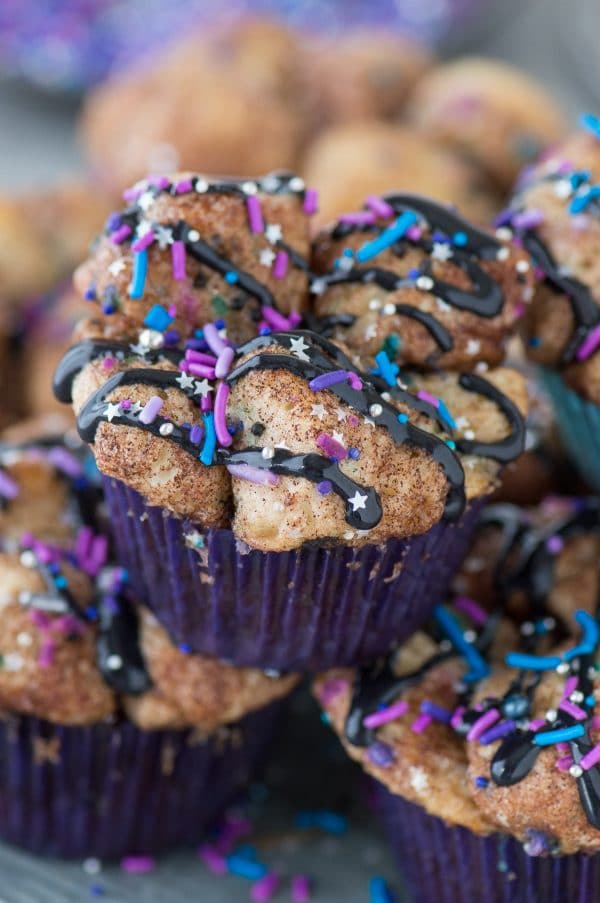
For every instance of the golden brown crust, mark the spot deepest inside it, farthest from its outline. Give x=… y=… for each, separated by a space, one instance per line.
x=547 y=799
x=495 y=114
x=348 y=162
x=192 y=690
x=221 y=220
x=430 y=771
x=573 y=241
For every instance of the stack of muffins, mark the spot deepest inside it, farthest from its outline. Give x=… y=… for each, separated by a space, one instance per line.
x=295 y=441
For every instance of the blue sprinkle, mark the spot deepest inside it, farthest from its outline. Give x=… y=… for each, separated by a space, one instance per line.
x=91 y=612
x=210 y=439
x=325 y=718
x=371 y=248
x=534 y=342
x=220 y=324
x=453 y=630
x=90 y=294
x=96 y=890
x=60 y=582
x=386 y=368
x=353 y=453
x=379 y=891
x=526 y=662
x=590 y=639
x=108 y=308
x=140 y=269
x=414 y=273
x=185 y=647
x=331 y=822
x=590 y=701
x=158 y=318
x=460 y=239
x=199 y=333
x=590 y=123
x=245 y=868
x=403 y=418
x=265 y=331
x=445 y=414
x=348 y=252
x=560 y=735
x=231 y=278
x=581 y=201
x=481 y=781
x=451 y=444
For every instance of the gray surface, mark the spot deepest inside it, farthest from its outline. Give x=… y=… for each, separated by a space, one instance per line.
x=37 y=143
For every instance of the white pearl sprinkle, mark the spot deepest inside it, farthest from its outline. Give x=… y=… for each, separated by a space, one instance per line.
x=503 y=254
x=522 y=266
x=348 y=535
x=28 y=559
x=267 y=453
x=527 y=628
x=425 y=283
x=166 y=429
x=374 y=304
x=576 y=696
x=576 y=771
x=375 y=410
x=114 y=662
x=193 y=235
x=551 y=715
x=504 y=234
x=249 y=187
x=389 y=309
x=201 y=186
x=24 y=639
x=470 y=636
x=563 y=668
x=92 y=866
x=297 y=184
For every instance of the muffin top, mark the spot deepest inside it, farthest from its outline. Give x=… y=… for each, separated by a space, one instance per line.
x=487 y=721
x=286 y=440
x=493 y=113
x=224 y=99
x=349 y=161
x=187 y=250
x=74 y=646
x=412 y=273
x=554 y=213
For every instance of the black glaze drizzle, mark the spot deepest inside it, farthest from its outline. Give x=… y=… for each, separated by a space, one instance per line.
x=323 y=357
x=484 y=299
x=531 y=570
x=276 y=183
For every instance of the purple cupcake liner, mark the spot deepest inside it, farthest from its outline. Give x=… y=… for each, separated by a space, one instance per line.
x=111 y=790
x=449 y=864
x=309 y=609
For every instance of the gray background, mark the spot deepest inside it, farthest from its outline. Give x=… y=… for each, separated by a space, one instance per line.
x=554 y=39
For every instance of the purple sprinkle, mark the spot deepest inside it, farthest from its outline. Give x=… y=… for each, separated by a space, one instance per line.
x=196 y=435
x=253 y=474
x=300 y=889
x=379 y=206
x=151 y=409
x=184 y=186
x=8 y=488
x=280 y=266
x=140 y=244
x=263 y=889
x=255 y=217
x=331 y=448
x=121 y=234
x=496 y=732
x=311 y=201
x=113 y=222
x=555 y=544
x=328 y=379
x=361 y=218
x=160 y=182
x=381 y=754
x=528 y=219
x=64 y=461
x=324 y=487
x=436 y=711
x=138 y=865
